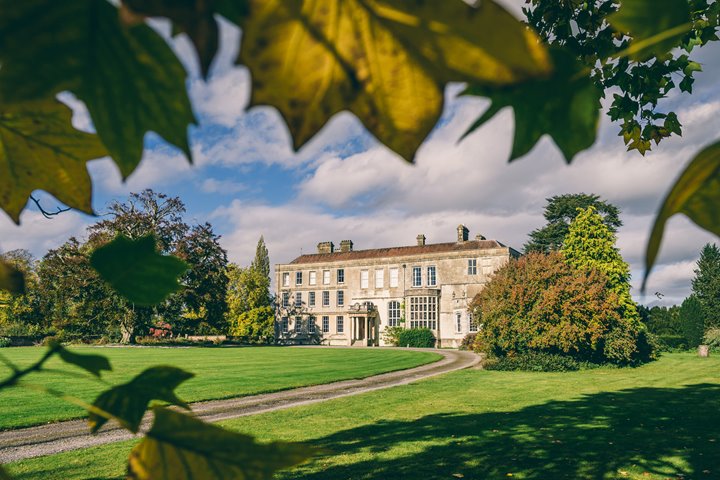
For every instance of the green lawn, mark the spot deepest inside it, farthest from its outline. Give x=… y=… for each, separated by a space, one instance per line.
x=654 y=422
x=221 y=373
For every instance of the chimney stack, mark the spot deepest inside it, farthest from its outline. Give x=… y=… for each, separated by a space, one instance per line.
x=463 y=233
x=479 y=237
x=325 y=247
x=421 y=240
x=346 y=245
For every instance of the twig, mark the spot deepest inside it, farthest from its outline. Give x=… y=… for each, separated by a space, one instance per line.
x=44 y=212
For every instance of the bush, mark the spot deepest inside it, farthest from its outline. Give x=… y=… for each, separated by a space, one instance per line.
x=416 y=338
x=539 y=303
x=390 y=335
x=712 y=338
x=534 y=362
x=670 y=343
x=468 y=342
x=254 y=326
x=5 y=342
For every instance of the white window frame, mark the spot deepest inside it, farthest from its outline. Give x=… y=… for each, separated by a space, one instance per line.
x=298 y=278
x=284 y=323
x=458 y=322
x=285 y=299
x=340 y=298
x=364 y=279
x=417 y=277
x=312 y=277
x=472 y=266
x=340 y=276
x=311 y=324
x=394 y=277
x=298 y=324
x=394 y=313
x=326 y=277
x=325 y=324
x=311 y=299
x=298 y=299
x=424 y=312
x=340 y=324
x=326 y=298
x=380 y=278
x=286 y=279
x=432 y=278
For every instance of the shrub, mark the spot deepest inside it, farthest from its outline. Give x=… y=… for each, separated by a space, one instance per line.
x=254 y=326
x=534 y=362
x=669 y=343
x=390 y=335
x=539 y=303
x=5 y=342
x=416 y=338
x=468 y=341
x=712 y=338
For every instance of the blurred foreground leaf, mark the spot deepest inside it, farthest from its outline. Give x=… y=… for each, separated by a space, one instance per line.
x=11 y=279
x=40 y=150
x=696 y=194
x=90 y=362
x=137 y=271
x=181 y=447
x=655 y=25
x=565 y=106
x=129 y=78
x=387 y=62
x=129 y=401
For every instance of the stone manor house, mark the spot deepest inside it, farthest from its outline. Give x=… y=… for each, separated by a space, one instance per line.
x=348 y=296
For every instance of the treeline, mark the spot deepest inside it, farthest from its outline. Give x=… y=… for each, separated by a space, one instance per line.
x=64 y=296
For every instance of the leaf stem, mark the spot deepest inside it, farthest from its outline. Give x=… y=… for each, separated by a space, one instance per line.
x=17 y=374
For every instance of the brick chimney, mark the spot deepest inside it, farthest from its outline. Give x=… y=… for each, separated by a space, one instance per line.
x=325 y=247
x=463 y=233
x=421 y=240
x=346 y=245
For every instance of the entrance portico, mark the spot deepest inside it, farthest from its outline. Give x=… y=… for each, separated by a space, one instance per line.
x=364 y=325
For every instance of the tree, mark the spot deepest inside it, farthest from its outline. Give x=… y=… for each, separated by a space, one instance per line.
x=590 y=32
x=706 y=284
x=206 y=281
x=540 y=303
x=560 y=211
x=256 y=325
x=248 y=298
x=261 y=263
x=19 y=313
x=692 y=320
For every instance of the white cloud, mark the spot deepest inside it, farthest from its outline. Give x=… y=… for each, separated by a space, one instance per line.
x=39 y=234
x=213 y=185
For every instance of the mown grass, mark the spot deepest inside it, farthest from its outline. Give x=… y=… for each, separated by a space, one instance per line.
x=654 y=422
x=220 y=373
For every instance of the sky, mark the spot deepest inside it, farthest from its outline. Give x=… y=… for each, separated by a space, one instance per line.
x=247 y=181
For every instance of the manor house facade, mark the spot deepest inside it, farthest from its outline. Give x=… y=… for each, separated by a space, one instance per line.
x=348 y=297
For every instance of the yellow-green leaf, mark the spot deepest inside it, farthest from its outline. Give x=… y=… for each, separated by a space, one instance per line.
x=11 y=279
x=696 y=194
x=40 y=150
x=128 y=402
x=137 y=271
x=181 y=447
x=385 y=61
x=655 y=25
x=130 y=79
x=565 y=106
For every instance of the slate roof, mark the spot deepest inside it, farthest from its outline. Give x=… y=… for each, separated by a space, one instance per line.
x=338 y=256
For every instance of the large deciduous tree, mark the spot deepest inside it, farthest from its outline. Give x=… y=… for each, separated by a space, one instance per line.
x=560 y=211
x=706 y=284
x=540 y=303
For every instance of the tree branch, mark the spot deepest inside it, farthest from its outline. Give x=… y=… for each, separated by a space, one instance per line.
x=46 y=213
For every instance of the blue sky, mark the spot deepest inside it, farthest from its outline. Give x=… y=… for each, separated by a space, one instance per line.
x=248 y=182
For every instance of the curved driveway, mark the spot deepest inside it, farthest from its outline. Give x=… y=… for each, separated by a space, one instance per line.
x=71 y=435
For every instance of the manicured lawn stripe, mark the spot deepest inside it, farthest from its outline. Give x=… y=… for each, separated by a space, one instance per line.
x=221 y=373
x=654 y=422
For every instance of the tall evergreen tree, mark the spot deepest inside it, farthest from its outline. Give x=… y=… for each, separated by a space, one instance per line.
x=591 y=243
x=706 y=284
x=560 y=211
x=692 y=321
x=261 y=263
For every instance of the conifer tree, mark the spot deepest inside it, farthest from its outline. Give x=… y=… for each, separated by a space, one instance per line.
x=261 y=263
x=706 y=284
x=591 y=244
x=692 y=321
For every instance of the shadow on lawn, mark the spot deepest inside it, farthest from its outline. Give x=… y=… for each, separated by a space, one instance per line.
x=591 y=438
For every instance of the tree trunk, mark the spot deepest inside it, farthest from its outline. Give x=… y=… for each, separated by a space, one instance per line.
x=703 y=351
